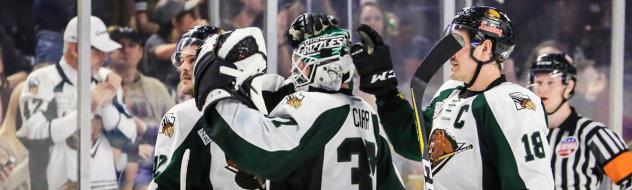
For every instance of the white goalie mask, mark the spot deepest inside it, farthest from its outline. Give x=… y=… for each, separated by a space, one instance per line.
x=323 y=61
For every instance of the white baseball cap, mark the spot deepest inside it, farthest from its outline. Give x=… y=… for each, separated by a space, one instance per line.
x=99 y=37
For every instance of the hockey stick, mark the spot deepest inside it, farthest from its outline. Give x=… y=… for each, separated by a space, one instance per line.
x=440 y=53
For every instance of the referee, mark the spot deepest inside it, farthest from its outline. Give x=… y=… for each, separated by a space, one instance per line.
x=584 y=151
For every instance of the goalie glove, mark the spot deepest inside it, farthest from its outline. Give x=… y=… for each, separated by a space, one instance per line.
x=265 y=91
x=212 y=86
x=372 y=59
x=224 y=62
x=307 y=25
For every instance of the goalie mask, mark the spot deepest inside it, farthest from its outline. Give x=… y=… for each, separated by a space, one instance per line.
x=239 y=54
x=323 y=61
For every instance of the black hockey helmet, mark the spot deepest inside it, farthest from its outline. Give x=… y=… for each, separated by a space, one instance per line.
x=556 y=64
x=483 y=23
x=195 y=36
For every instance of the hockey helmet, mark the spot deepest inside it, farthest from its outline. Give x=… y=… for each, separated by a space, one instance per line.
x=195 y=36
x=481 y=23
x=323 y=61
x=557 y=64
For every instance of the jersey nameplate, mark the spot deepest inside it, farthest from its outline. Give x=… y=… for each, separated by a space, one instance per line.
x=361 y=118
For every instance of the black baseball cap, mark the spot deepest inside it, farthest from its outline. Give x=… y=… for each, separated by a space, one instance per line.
x=119 y=32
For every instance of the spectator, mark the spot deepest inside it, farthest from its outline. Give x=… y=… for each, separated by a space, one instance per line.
x=372 y=15
x=591 y=83
x=50 y=17
x=15 y=65
x=20 y=31
x=49 y=115
x=147 y=98
x=175 y=17
x=289 y=9
x=118 y=12
x=251 y=14
x=6 y=91
x=14 y=171
x=143 y=8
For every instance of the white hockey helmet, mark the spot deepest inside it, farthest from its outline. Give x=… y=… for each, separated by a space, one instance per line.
x=323 y=61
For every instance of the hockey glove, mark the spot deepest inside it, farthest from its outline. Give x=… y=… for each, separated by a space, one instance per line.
x=307 y=25
x=372 y=59
x=265 y=91
x=211 y=85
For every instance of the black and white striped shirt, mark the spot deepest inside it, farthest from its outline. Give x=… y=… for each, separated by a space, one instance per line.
x=585 y=151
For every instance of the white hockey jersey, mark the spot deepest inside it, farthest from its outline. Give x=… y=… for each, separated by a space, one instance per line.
x=310 y=140
x=183 y=157
x=48 y=110
x=494 y=139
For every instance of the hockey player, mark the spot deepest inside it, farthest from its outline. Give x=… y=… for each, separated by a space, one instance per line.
x=309 y=140
x=185 y=158
x=483 y=130
x=583 y=151
x=49 y=115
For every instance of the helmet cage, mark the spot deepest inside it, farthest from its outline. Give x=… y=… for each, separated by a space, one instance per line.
x=334 y=66
x=184 y=43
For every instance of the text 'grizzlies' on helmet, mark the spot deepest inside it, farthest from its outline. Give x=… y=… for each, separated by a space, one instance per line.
x=557 y=64
x=323 y=61
x=194 y=37
x=483 y=23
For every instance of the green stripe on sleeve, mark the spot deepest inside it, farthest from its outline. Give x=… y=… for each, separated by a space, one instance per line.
x=398 y=119
x=275 y=165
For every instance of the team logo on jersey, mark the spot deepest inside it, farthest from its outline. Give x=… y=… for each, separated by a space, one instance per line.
x=522 y=101
x=443 y=147
x=33 y=86
x=567 y=147
x=167 y=124
x=295 y=100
